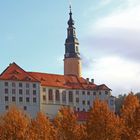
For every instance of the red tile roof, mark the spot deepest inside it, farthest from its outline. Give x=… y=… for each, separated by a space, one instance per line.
x=14 y=72
x=82 y=116
x=63 y=81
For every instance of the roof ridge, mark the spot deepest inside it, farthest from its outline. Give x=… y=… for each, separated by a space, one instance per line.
x=11 y=64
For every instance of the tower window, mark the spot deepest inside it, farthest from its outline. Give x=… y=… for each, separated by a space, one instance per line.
x=76 y=48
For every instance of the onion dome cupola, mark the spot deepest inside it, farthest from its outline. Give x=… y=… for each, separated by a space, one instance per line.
x=71 y=43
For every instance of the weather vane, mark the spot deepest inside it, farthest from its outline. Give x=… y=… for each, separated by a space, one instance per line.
x=70 y=4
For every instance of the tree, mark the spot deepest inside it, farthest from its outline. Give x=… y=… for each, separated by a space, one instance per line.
x=129 y=114
x=119 y=102
x=103 y=124
x=14 y=125
x=41 y=128
x=67 y=126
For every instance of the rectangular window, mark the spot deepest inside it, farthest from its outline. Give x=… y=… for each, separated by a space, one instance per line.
x=70 y=96
x=34 y=100
x=6 y=99
x=27 y=85
x=94 y=93
x=111 y=102
x=77 y=100
x=13 y=99
x=34 y=85
x=34 y=92
x=77 y=92
x=20 y=84
x=106 y=92
x=6 y=84
x=13 y=91
x=83 y=92
x=27 y=99
x=25 y=107
x=44 y=97
x=83 y=102
x=99 y=93
x=6 y=107
x=88 y=102
x=6 y=90
x=20 y=91
x=44 y=89
x=88 y=93
x=27 y=92
x=13 y=84
x=20 y=99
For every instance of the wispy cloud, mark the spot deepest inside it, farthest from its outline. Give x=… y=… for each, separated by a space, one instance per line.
x=114 y=40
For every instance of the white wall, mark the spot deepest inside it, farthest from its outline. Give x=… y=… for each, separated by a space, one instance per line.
x=32 y=108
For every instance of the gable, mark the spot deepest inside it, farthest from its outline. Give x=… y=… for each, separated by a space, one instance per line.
x=14 y=72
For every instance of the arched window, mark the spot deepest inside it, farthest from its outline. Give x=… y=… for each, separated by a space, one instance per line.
x=50 y=94
x=64 y=96
x=57 y=95
x=70 y=96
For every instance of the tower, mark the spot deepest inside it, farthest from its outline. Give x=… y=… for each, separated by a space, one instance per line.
x=72 y=60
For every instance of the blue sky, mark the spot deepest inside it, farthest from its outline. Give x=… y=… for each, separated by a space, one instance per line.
x=33 y=32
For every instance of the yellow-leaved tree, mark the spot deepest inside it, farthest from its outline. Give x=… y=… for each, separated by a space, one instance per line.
x=130 y=114
x=41 y=128
x=67 y=125
x=103 y=124
x=14 y=125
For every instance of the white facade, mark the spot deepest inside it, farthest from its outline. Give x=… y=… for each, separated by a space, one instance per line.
x=79 y=100
x=25 y=95
x=33 y=98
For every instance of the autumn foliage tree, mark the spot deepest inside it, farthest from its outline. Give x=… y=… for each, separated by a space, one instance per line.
x=41 y=128
x=13 y=125
x=67 y=126
x=130 y=114
x=103 y=124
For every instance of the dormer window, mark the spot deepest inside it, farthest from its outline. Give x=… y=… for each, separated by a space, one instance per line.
x=15 y=72
x=13 y=77
x=27 y=78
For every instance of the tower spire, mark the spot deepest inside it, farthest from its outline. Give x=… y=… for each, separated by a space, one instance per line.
x=71 y=21
x=72 y=60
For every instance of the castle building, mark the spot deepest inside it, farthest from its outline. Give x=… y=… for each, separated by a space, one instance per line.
x=35 y=91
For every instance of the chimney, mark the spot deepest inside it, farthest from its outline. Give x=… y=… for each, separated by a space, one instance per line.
x=87 y=79
x=92 y=81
